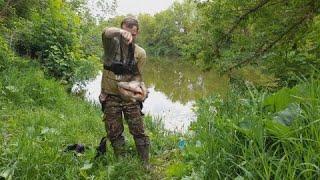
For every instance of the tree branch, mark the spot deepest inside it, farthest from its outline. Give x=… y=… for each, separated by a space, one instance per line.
x=262 y=50
x=244 y=16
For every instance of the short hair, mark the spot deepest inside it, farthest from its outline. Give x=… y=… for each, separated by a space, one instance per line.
x=130 y=21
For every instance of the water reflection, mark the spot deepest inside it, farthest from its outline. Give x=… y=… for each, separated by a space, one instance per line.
x=173 y=89
x=175 y=115
x=183 y=82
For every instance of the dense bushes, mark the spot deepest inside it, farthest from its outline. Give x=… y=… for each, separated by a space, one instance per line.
x=52 y=34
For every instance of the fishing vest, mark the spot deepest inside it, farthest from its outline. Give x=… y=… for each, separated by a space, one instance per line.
x=118 y=60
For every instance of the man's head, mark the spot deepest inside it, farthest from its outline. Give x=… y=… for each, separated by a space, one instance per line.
x=131 y=24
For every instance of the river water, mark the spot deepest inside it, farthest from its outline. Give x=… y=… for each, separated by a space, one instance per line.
x=174 y=87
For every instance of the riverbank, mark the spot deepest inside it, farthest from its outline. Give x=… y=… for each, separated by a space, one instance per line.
x=246 y=134
x=39 y=119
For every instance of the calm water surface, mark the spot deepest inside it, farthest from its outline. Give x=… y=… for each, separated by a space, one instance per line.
x=174 y=87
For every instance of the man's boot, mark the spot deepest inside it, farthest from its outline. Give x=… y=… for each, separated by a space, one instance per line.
x=119 y=148
x=102 y=148
x=119 y=152
x=143 y=151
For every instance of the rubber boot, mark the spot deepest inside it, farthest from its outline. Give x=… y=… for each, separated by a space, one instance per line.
x=102 y=148
x=119 y=148
x=143 y=151
x=119 y=152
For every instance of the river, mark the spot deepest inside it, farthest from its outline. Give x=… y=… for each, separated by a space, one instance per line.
x=174 y=87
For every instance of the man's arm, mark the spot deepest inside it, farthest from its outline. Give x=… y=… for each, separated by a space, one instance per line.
x=112 y=32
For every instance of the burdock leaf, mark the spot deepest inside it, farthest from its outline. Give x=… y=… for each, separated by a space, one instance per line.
x=288 y=115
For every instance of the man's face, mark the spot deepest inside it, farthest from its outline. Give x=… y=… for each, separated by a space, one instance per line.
x=133 y=30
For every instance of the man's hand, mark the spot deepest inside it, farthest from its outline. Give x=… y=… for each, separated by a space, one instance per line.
x=127 y=35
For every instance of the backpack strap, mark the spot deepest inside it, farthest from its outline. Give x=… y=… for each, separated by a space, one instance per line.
x=121 y=51
x=131 y=54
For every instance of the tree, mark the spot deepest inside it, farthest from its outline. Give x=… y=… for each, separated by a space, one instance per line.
x=55 y=33
x=165 y=33
x=237 y=33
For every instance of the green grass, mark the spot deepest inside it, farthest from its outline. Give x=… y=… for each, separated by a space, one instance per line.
x=243 y=137
x=38 y=119
x=247 y=134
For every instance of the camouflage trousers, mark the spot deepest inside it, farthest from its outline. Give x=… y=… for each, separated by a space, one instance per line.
x=114 y=110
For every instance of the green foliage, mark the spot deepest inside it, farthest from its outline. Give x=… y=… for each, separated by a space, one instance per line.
x=238 y=33
x=10 y=9
x=5 y=54
x=241 y=138
x=302 y=59
x=54 y=34
x=164 y=33
x=162 y=44
x=285 y=96
x=280 y=36
x=27 y=87
x=177 y=170
x=255 y=76
x=59 y=47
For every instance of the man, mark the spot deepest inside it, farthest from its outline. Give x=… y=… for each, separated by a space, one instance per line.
x=119 y=46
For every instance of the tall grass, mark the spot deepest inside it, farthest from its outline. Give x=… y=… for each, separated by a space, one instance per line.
x=253 y=136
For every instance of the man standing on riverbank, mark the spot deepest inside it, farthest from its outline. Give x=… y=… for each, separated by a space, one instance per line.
x=123 y=62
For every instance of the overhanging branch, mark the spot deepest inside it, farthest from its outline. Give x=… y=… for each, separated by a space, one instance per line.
x=263 y=49
x=244 y=16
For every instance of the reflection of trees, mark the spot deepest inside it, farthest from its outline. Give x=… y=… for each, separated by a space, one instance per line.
x=181 y=81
